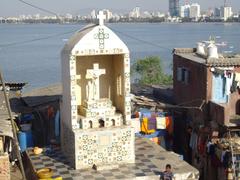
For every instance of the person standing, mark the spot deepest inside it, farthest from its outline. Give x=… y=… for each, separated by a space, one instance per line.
x=167 y=174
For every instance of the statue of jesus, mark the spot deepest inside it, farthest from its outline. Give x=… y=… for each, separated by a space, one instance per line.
x=93 y=92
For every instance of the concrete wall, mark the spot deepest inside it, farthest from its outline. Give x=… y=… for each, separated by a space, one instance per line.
x=118 y=67
x=66 y=92
x=68 y=144
x=114 y=66
x=222 y=113
x=200 y=87
x=219 y=113
x=197 y=86
x=106 y=80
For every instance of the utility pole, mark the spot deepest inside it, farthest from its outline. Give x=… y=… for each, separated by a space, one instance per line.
x=15 y=140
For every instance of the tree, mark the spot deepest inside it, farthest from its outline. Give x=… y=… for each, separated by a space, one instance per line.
x=150 y=71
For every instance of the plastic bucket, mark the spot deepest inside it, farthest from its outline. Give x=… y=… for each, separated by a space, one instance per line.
x=25 y=140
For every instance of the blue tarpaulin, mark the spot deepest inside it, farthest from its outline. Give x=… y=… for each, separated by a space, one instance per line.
x=157 y=133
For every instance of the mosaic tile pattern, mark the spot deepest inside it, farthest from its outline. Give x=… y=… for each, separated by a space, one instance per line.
x=143 y=167
x=84 y=143
x=100 y=147
x=99 y=52
x=110 y=121
x=101 y=36
x=92 y=111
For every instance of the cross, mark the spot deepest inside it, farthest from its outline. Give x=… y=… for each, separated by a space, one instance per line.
x=101 y=16
x=93 y=92
x=101 y=36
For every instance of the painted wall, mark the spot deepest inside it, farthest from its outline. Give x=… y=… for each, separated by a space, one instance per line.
x=223 y=112
x=218 y=88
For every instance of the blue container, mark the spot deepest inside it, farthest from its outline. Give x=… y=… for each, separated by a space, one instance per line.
x=25 y=140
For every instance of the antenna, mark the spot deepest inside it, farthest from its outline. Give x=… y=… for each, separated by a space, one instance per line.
x=212 y=40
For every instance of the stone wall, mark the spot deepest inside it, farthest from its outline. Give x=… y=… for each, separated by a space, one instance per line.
x=4 y=167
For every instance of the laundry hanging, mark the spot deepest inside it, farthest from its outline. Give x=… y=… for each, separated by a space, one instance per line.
x=229 y=81
x=161 y=123
x=237 y=77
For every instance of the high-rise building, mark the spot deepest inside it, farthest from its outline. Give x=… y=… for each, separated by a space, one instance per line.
x=195 y=11
x=174 y=7
x=190 y=11
x=135 y=13
x=184 y=11
x=226 y=12
x=93 y=14
x=108 y=14
x=217 y=12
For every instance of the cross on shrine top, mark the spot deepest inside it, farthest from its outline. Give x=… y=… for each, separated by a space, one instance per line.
x=101 y=16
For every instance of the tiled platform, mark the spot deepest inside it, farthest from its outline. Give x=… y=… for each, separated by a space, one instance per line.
x=150 y=161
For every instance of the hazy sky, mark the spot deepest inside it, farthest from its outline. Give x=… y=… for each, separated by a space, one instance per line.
x=14 y=7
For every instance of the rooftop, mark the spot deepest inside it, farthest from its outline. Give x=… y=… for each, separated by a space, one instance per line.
x=15 y=104
x=149 y=163
x=44 y=95
x=222 y=61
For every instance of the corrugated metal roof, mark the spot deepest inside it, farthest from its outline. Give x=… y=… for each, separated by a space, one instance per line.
x=5 y=123
x=14 y=85
x=43 y=95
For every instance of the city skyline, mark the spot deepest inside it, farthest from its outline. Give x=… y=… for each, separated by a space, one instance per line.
x=15 y=7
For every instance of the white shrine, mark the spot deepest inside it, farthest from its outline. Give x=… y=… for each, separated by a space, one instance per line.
x=95 y=107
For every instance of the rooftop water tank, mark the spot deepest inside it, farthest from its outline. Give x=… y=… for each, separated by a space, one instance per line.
x=200 y=48
x=212 y=51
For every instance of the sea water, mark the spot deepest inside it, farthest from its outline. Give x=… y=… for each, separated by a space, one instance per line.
x=38 y=62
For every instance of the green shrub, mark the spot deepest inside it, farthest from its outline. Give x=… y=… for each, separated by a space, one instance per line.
x=150 y=71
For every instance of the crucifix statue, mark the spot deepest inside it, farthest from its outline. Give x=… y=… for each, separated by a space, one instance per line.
x=93 y=92
x=101 y=16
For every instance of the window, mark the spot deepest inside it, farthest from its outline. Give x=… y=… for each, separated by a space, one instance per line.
x=183 y=75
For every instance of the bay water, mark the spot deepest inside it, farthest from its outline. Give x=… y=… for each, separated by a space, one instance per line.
x=38 y=62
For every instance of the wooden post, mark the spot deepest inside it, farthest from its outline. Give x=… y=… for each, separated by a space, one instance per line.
x=15 y=140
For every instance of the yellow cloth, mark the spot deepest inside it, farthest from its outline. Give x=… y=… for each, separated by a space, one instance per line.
x=237 y=77
x=144 y=126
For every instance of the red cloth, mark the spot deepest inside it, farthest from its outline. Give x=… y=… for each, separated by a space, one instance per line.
x=50 y=112
x=201 y=145
x=169 y=124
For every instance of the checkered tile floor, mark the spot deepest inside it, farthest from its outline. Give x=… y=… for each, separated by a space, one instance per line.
x=143 y=167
